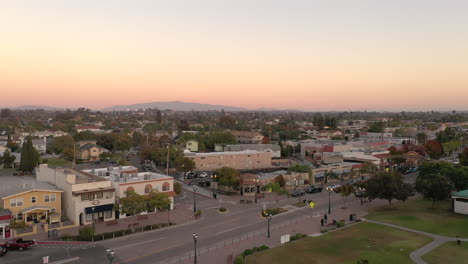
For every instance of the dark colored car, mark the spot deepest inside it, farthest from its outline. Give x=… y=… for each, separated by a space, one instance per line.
x=314 y=188
x=297 y=193
x=18 y=244
x=191 y=175
x=204 y=183
x=360 y=194
x=3 y=251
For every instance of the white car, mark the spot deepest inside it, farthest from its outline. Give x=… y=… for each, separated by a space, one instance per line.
x=203 y=174
x=334 y=186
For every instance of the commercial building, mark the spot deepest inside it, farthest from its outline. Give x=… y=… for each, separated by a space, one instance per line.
x=86 y=197
x=127 y=178
x=275 y=150
x=240 y=160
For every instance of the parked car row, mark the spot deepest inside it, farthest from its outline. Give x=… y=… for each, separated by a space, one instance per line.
x=193 y=175
x=308 y=189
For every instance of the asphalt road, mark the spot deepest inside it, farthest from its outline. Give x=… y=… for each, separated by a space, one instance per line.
x=161 y=245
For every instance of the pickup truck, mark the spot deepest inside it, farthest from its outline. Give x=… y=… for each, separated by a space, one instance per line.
x=19 y=244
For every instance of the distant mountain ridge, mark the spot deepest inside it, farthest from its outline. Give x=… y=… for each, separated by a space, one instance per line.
x=175 y=106
x=36 y=107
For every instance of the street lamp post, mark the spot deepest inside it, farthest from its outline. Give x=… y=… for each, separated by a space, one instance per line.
x=329 y=190
x=195 y=238
x=295 y=187
x=256 y=189
x=269 y=219
x=213 y=180
x=194 y=199
x=110 y=255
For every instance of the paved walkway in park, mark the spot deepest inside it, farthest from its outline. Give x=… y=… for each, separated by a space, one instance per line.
x=416 y=255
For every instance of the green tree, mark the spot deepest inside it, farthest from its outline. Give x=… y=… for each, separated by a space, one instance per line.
x=7 y=159
x=451 y=146
x=184 y=164
x=68 y=154
x=463 y=157
x=280 y=180
x=434 y=186
x=84 y=135
x=388 y=186
x=132 y=204
x=345 y=190
x=59 y=144
x=227 y=177
x=177 y=188
x=376 y=127
x=159 y=201
x=29 y=156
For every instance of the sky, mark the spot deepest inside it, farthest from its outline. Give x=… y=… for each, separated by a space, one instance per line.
x=316 y=55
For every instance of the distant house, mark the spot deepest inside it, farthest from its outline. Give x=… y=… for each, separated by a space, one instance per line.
x=460 y=202
x=88 y=128
x=88 y=150
x=40 y=144
x=247 y=137
x=192 y=145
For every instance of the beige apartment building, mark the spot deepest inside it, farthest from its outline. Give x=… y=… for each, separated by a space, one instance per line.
x=240 y=160
x=86 y=197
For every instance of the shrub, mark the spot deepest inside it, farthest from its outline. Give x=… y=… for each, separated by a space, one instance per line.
x=280 y=180
x=177 y=188
x=222 y=209
x=297 y=236
x=262 y=248
x=198 y=213
x=86 y=234
x=340 y=224
x=239 y=260
x=67 y=237
x=272 y=211
x=17 y=224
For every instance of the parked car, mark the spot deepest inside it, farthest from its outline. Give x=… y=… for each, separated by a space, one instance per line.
x=18 y=244
x=297 y=193
x=3 y=251
x=203 y=174
x=314 y=188
x=191 y=175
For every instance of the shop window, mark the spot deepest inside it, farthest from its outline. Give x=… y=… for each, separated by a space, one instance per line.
x=108 y=214
x=89 y=217
x=85 y=197
x=99 y=195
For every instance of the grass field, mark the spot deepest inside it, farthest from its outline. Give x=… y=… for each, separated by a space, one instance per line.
x=449 y=252
x=418 y=214
x=57 y=162
x=376 y=243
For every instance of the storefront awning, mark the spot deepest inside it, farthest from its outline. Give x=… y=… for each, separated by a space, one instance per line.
x=99 y=208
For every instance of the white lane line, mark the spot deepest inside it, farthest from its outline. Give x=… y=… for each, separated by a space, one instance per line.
x=136 y=244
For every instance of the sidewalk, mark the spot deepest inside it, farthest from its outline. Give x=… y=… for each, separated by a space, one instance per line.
x=181 y=214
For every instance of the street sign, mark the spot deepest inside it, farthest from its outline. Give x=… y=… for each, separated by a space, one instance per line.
x=45 y=260
x=312 y=204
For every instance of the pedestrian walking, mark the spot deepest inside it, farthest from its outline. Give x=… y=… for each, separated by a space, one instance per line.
x=322 y=221
x=325 y=217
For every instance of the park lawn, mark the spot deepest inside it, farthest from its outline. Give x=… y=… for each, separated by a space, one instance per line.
x=57 y=162
x=449 y=252
x=376 y=243
x=419 y=214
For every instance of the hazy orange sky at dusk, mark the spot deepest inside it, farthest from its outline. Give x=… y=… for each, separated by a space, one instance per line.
x=307 y=55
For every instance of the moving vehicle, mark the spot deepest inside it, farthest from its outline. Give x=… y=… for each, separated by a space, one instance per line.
x=3 y=251
x=314 y=189
x=203 y=174
x=18 y=244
